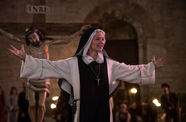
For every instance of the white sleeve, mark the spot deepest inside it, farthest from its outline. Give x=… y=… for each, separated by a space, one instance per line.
x=33 y=68
x=66 y=87
x=141 y=74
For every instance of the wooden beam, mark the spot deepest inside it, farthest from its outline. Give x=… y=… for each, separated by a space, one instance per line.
x=47 y=28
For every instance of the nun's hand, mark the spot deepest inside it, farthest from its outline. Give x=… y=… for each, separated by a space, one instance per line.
x=19 y=53
x=160 y=62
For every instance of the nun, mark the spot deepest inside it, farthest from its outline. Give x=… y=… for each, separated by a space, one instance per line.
x=91 y=73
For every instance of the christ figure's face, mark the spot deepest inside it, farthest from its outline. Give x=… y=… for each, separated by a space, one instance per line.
x=34 y=39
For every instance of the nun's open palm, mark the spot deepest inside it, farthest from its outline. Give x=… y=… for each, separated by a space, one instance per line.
x=160 y=62
x=19 y=53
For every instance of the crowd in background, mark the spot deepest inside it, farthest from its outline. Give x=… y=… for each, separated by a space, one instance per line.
x=15 y=108
x=140 y=111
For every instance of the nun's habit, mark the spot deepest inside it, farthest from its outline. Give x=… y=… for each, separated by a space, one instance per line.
x=92 y=81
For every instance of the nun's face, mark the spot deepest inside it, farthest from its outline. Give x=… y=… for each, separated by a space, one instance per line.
x=98 y=42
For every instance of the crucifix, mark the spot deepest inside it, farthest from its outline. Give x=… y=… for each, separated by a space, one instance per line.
x=37 y=104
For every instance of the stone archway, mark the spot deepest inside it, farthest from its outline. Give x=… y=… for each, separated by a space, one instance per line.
x=121 y=38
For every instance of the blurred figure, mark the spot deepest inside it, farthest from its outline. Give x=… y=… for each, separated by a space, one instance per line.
x=147 y=113
x=12 y=105
x=123 y=115
x=23 y=106
x=170 y=104
x=2 y=106
x=63 y=112
x=120 y=96
x=134 y=111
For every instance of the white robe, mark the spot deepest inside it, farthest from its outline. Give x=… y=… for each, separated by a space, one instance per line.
x=34 y=68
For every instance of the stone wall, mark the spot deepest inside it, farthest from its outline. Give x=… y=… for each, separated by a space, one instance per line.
x=160 y=26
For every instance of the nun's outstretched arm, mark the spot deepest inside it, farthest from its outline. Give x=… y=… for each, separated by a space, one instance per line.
x=33 y=68
x=140 y=74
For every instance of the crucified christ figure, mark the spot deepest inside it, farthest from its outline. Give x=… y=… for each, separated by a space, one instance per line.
x=37 y=45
